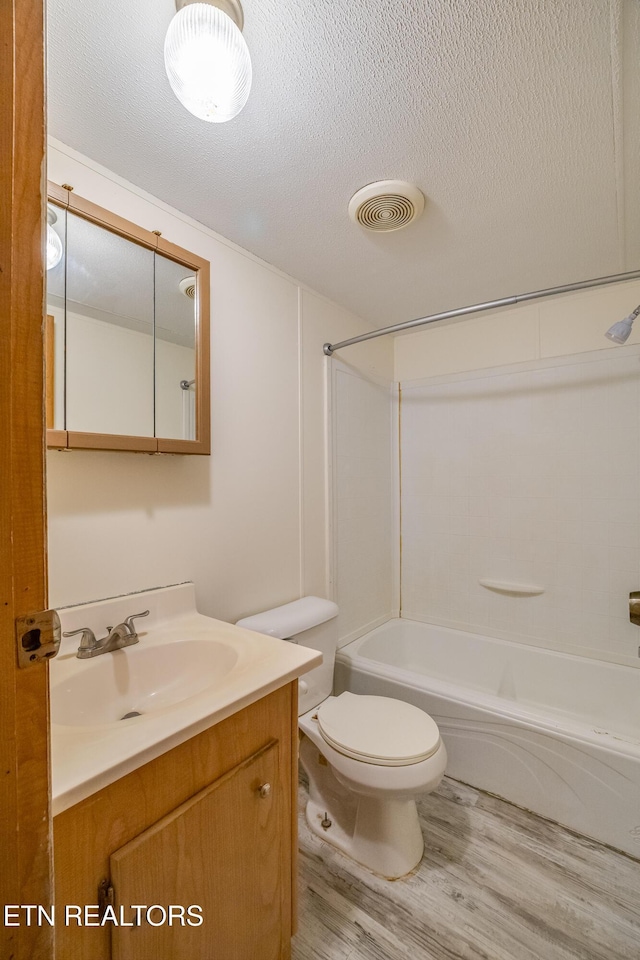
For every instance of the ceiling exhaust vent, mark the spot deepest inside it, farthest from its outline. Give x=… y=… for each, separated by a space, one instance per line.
x=188 y=287
x=386 y=205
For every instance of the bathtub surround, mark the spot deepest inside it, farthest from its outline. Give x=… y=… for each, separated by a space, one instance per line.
x=255 y=512
x=515 y=472
x=528 y=474
x=364 y=466
x=496 y=883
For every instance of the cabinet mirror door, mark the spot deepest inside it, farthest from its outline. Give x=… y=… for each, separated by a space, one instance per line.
x=56 y=264
x=127 y=335
x=176 y=383
x=109 y=332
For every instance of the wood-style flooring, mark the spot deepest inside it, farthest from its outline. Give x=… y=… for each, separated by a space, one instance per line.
x=495 y=883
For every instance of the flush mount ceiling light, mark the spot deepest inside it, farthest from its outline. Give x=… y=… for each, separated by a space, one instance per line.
x=386 y=205
x=207 y=60
x=54 y=243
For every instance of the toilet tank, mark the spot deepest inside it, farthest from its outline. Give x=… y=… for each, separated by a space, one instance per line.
x=311 y=622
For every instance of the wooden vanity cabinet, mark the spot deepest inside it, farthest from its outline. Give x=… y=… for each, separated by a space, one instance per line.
x=211 y=823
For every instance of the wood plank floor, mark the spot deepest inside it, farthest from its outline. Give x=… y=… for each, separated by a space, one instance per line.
x=495 y=883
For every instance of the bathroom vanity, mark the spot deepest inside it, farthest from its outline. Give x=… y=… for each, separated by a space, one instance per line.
x=207 y=821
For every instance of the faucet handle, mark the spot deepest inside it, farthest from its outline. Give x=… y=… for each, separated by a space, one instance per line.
x=88 y=637
x=135 y=616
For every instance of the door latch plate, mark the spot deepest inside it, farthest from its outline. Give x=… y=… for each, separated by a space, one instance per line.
x=37 y=637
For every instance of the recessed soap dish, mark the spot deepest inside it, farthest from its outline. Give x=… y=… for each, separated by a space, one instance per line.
x=514 y=589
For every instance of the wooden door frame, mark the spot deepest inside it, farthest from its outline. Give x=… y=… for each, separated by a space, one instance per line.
x=25 y=817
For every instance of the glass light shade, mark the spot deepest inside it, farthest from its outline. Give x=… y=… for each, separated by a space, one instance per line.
x=54 y=248
x=207 y=62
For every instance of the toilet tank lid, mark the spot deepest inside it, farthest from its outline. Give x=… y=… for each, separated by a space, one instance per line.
x=291 y=618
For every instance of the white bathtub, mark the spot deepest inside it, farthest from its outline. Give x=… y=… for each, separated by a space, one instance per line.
x=556 y=734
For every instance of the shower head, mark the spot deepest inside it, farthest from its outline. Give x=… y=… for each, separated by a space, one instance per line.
x=621 y=330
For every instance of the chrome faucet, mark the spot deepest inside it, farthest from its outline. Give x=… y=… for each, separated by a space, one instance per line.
x=122 y=635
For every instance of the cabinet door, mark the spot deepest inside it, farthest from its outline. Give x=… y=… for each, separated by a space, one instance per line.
x=221 y=850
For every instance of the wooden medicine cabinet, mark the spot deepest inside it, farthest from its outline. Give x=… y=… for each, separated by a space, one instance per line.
x=126 y=337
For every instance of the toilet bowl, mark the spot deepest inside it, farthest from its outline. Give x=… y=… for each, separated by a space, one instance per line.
x=367 y=758
x=370 y=800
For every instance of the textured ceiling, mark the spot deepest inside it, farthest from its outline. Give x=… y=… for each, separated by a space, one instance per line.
x=518 y=119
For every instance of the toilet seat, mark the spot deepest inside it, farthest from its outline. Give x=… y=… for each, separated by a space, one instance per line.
x=378 y=730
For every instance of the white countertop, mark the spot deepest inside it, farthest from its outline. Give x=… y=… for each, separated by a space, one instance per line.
x=88 y=756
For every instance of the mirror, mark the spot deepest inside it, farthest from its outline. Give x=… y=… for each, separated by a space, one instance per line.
x=175 y=364
x=126 y=336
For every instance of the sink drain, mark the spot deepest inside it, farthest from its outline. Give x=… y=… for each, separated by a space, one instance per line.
x=132 y=713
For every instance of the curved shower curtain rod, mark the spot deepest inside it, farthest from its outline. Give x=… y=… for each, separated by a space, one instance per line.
x=330 y=348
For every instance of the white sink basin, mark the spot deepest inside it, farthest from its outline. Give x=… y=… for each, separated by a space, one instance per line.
x=140 y=680
x=186 y=673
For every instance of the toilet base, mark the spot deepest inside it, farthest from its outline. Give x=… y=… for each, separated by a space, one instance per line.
x=383 y=835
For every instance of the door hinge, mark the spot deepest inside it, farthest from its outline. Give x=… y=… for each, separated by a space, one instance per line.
x=37 y=637
x=105 y=897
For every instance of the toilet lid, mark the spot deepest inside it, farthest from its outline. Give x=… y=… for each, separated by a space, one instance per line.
x=378 y=729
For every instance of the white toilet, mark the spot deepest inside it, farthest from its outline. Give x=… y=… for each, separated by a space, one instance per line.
x=367 y=758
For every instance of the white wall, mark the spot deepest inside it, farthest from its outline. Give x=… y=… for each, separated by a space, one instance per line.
x=249 y=523
x=527 y=471
x=109 y=377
